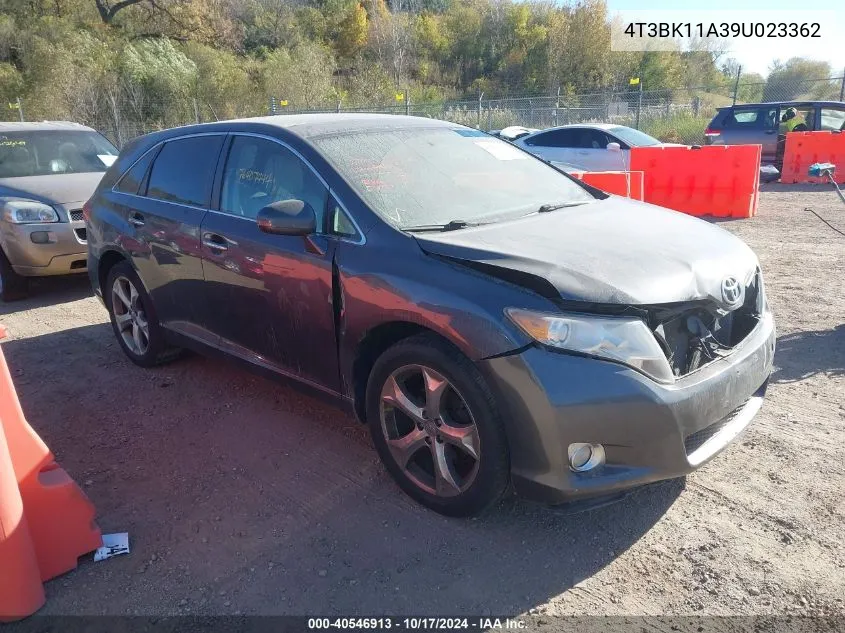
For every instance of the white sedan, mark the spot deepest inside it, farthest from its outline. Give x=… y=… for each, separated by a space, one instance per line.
x=595 y=147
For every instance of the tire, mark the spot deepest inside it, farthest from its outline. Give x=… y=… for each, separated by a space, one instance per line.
x=12 y=285
x=465 y=410
x=153 y=349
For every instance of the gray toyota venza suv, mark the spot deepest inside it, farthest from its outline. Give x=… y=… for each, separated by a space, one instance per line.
x=495 y=323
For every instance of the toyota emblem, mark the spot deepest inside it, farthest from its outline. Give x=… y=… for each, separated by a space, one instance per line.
x=731 y=291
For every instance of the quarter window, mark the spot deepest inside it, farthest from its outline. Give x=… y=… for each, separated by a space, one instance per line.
x=131 y=181
x=340 y=224
x=260 y=172
x=184 y=169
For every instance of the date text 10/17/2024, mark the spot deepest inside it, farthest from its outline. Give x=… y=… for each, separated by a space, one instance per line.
x=416 y=624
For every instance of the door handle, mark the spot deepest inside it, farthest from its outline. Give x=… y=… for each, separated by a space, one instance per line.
x=136 y=219
x=215 y=242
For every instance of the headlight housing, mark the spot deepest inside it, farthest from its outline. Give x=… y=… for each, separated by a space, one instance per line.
x=29 y=212
x=619 y=339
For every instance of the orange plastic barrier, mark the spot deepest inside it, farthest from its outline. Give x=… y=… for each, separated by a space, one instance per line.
x=806 y=148
x=717 y=180
x=21 y=591
x=44 y=515
x=620 y=183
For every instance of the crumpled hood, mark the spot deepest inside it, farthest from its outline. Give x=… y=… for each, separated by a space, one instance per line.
x=612 y=251
x=52 y=189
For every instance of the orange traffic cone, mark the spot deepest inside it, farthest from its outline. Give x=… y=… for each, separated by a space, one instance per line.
x=59 y=516
x=21 y=591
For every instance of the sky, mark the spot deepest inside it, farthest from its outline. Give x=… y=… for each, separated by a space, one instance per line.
x=758 y=55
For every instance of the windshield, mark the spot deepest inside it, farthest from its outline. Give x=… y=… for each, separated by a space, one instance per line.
x=433 y=176
x=633 y=137
x=45 y=152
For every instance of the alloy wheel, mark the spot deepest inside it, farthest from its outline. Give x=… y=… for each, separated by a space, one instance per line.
x=129 y=316
x=430 y=430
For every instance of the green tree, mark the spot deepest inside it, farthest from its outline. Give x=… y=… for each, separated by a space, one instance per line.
x=799 y=78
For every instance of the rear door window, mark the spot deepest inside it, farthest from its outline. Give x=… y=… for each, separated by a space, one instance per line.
x=750 y=118
x=554 y=138
x=184 y=170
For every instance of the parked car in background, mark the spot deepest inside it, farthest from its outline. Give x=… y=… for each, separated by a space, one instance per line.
x=47 y=172
x=493 y=321
x=765 y=124
x=513 y=132
x=593 y=147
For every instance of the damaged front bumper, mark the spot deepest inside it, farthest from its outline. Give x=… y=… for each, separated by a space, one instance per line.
x=649 y=431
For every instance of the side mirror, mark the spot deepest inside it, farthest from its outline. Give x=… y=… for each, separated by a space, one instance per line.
x=287 y=217
x=614 y=147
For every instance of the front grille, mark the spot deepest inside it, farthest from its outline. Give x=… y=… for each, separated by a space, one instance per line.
x=700 y=333
x=75 y=215
x=81 y=235
x=694 y=441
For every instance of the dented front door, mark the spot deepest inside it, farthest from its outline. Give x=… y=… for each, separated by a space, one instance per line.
x=270 y=296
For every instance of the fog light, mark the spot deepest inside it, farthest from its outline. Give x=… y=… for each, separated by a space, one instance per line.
x=42 y=237
x=584 y=457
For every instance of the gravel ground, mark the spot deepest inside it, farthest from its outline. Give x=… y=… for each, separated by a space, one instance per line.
x=245 y=496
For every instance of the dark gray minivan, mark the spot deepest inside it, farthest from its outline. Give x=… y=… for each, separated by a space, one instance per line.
x=764 y=124
x=497 y=324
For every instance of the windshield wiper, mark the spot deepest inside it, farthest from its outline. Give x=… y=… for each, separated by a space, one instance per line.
x=452 y=225
x=562 y=205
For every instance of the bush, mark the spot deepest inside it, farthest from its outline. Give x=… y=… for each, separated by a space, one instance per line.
x=679 y=127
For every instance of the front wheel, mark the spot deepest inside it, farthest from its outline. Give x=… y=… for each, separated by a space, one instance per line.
x=436 y=427
x=12 y=285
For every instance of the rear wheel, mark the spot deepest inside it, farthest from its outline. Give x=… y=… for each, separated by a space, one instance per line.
x=133 y=318
x=12 y=285
x=435 y=425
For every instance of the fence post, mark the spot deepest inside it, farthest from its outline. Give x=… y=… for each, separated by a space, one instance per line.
x=639 y=104
x=489 y=115
x=407 y=102
x=480 y=96
x=696 y=104
x=337 y=107
x=196 y=110
x=20 y=109
x=736 y=83
x=530 y=113
x=842 y=87
x=557 y=104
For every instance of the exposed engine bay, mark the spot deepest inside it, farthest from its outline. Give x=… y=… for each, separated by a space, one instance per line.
x=695 y=334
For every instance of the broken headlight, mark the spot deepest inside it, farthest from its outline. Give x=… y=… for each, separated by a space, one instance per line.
x=619 y=339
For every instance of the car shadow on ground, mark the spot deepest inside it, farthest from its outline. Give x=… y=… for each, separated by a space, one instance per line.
x=45 y=291
x=801 y=355
x=244 y=495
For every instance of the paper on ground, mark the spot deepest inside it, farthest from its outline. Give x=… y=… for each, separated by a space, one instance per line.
x=113 y=545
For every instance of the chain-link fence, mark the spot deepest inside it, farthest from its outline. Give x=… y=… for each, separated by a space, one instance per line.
x=673 y=115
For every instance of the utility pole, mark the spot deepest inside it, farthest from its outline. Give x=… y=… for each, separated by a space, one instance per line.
x=736 y=83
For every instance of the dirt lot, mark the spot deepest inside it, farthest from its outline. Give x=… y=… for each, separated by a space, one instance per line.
x=244 y=496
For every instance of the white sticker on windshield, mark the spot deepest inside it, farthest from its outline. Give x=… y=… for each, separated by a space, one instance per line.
x=501 y=150
x=107 y=159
